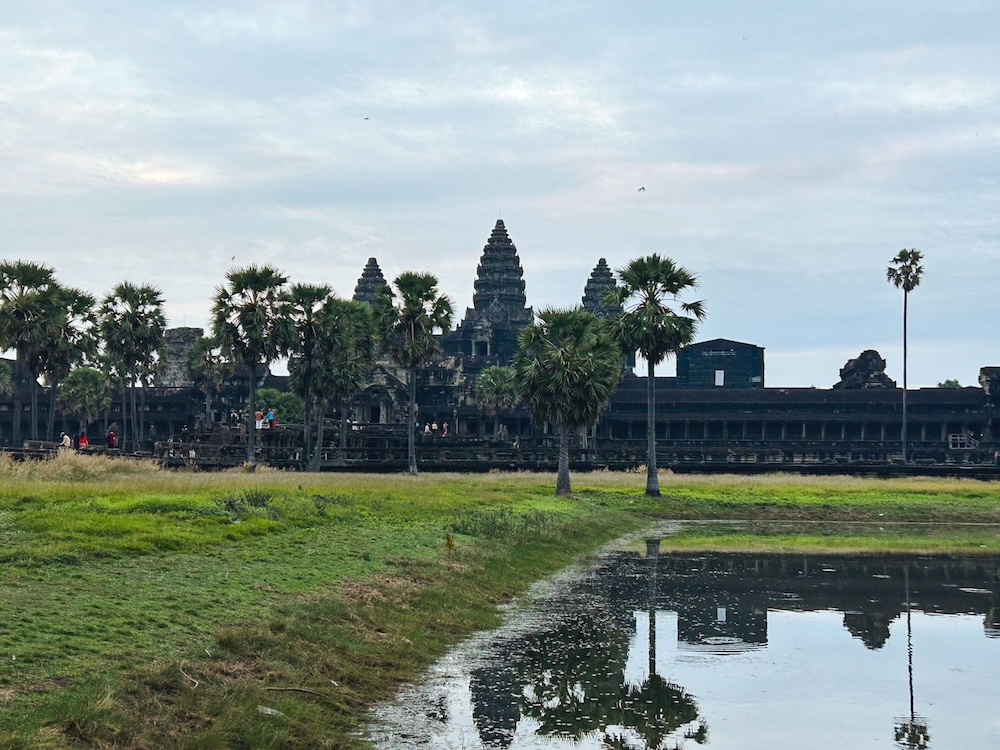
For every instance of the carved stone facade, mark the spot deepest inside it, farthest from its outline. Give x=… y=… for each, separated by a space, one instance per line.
x=867 y=370
x=177 y=342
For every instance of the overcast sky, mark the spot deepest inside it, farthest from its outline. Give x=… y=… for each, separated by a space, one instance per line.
x=788 y=150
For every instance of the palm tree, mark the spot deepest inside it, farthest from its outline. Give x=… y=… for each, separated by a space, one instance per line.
x=655 y=322
x=73 y=341
x=303 y=303
x=566 y=367
x=410 y=324
x=25 y=303
x=209 y=370
x=132 y=325
x=85 y=393
x=249 y=323
x=345 y=352
x=496 y=391
x=904 y=273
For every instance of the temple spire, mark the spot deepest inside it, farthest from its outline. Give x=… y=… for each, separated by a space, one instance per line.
x=601 y=281
x=499 y=277
x=370 y=282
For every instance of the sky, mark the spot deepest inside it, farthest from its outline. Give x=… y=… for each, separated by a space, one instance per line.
x=788 y=151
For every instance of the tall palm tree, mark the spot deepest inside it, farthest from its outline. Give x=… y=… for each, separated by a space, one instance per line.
x=25 y=315
x=86 y=392
x=655 y=322
x=496 y=391
x=73 y=341
x=345 y=352
x=132 y=325
x=303 y=303
x=417 y=312
x=249 y=323
x=904 y=273
x=567 y=366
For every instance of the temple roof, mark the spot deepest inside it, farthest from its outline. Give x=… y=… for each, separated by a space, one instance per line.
x=499 y=277
x=370 y=282
x=601 y=281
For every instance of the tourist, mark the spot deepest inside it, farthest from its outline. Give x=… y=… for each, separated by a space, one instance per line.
x=444 y=430
x=258 y=418
x=111 y=438
x=65 y=441
x=434 y=428
x=427 y=428
x=84 y=442
x=272 y=418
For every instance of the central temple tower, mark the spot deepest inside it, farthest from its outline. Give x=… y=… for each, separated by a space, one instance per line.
x=488 y=334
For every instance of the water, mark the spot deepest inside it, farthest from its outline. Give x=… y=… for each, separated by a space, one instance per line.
x=746 y=651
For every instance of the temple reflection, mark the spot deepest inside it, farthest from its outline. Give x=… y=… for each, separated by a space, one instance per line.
x=592 y=670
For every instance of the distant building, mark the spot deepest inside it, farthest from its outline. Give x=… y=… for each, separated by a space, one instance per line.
x=720 y=363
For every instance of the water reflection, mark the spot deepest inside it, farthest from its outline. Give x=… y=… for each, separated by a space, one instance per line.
x=650 y=650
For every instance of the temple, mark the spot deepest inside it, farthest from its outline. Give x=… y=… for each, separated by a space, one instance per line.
x=715 y=414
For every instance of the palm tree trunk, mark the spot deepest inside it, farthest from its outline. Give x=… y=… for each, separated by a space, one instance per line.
x=411 y=424
x=136 y=447
x=18 y=378
x=343 y=423
x=143 y=427
x=50 y=429
x=251 y=420
x=34 y=408
x=904 y=374
x=307 y=410
x=562 y=475
x=652 y=478
x=124 y=432
x=317 y=456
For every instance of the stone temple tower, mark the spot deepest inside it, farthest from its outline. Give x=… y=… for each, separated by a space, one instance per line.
x=488 y=334
x=370 y=282
x=600 y=282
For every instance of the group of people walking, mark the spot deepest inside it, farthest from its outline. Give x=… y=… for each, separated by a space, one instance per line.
x=432 y=429
x=81 y=440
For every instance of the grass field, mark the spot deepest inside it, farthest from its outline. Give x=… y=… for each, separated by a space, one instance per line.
x=153 y=609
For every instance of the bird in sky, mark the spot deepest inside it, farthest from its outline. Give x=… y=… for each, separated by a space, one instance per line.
x=642 y=190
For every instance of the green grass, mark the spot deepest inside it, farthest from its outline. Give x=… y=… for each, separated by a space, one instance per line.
x=153 y=609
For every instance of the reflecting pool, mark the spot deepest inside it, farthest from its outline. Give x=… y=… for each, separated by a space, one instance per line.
x=650 y=650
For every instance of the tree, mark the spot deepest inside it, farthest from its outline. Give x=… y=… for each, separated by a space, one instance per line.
x=950 y=383
x=417 y=311
x=303 y=303
x=73 y=341
x=85 y=393
x=249 y=323
x=496 y=392
x=25 y=316
x=6 y=379
x=132 y=326
x=209 y=370
x=904 y=273
x=566 y=368
x=655 y=322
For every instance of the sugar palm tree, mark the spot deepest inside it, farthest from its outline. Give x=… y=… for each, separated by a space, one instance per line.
x=132 y=325
x=567 y=367
x=73 y=341
x=655 y=322
x=86 y=392
x=496 y=391
x=25 y=315
x=409 y=324
x=904 y=273
x=345 y=352
x=249 y=323
x=303 y=303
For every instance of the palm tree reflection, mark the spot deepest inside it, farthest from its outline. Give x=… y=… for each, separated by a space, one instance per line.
x=911 y=732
